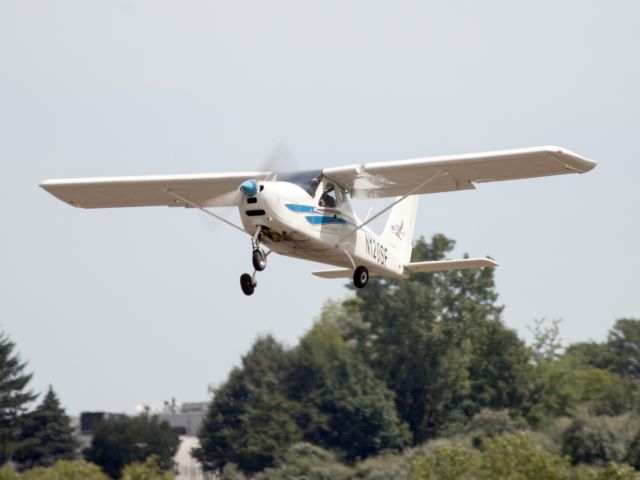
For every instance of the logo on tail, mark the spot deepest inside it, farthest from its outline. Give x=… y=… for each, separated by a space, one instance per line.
x=398 y=230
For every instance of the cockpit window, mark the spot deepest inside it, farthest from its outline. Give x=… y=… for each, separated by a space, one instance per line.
x=307 y=180
x=328 y=197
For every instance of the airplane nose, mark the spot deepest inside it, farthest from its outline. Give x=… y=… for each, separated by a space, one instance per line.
x=249 y=188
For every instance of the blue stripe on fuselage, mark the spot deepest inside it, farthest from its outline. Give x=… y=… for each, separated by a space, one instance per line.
x=300 y=208
x=322 y=220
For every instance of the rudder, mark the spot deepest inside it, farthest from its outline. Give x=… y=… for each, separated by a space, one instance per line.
x=398 y=232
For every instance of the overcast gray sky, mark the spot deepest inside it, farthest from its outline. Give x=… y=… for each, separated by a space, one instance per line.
x=120 y=307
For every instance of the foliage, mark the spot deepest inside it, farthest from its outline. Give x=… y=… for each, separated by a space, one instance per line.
x=8 y=473
x=547 y=344
x=429 y=353
x=14 y=397
x=633 y=452
x=598 y=355
x=46 y=436
x=386 y=466
x=437 y=341
x=307 y=461
x=124 y=440
x=502 y=457
x=447 y=463
x=320 y=392
x=490 y=423
x=346 y=407
x=148 y=470
x=65 y=470
x=560 y=387
x=250 y=422
x=516 y=456
x=231 y=472
x=596 y=440
x=624 y=342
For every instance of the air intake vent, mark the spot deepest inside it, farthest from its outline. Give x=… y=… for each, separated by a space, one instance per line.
x=254 y=213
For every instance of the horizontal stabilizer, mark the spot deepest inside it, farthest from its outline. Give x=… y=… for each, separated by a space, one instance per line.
x=442 y=265
x=337 y=273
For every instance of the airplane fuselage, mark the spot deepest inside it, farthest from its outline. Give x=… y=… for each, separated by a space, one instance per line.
x=296 y=224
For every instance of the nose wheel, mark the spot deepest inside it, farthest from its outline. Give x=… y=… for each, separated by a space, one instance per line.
x=248 y=282
x=360 y=277
x=259 y=260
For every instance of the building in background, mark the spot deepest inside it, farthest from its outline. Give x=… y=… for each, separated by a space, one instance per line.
x=185 y=419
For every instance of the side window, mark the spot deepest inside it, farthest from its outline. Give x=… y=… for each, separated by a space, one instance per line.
x=328 y=197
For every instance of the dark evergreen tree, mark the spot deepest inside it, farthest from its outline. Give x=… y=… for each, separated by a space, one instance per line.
x=624 y=342
x=14 y=397
x=250 y=421
x=121 y=441
x=320 y=392
x=345 y=407
x=46 y=435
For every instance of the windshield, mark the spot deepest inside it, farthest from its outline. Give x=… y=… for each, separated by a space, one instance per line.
x=307 y=180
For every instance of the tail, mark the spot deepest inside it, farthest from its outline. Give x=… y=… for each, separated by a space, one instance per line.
x=398 y=232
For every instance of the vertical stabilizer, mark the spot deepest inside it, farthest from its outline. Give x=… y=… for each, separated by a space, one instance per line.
x=398 y=232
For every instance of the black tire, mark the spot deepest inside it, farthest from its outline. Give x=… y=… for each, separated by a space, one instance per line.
x=259 y=260
x=361 y=277
x=246 y=283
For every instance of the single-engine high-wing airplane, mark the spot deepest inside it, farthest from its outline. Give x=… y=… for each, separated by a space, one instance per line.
x=307 y=214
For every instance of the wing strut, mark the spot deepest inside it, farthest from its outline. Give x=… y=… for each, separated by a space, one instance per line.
x=194 y=205
x=389 y=207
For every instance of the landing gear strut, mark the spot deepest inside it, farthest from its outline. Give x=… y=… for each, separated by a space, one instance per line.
x=360 y=277
x=248 y=282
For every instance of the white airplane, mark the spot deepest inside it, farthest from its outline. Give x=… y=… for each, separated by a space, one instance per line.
x=307 y=214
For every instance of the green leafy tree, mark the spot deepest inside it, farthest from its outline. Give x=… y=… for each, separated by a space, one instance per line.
x=306 y=461
x=517 y=456
x=250 y=421
x=547 y=344
x=597 y=355
x=437 y=341
x=14 y=397
x=65 y=470
x=345 y=407
x=124 y=440
x=8 y=473
x=148 y=470
x=559 y=388
x=633 y=452
x=46 y=435
x=595 y=440
x=449 y=462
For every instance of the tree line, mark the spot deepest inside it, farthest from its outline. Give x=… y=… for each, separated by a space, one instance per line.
x=407 y=379
x=402 y=366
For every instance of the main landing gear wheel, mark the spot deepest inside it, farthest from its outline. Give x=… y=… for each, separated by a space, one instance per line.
x=259 y=260
x=360 y=277
x=247 y=283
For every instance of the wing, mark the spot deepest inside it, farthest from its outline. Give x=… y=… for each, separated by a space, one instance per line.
x=207 y=190
x=457 y=172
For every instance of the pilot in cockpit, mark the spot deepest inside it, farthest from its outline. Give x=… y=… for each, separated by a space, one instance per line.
x=328 y=197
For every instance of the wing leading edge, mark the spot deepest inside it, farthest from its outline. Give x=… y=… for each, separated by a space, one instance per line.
x=455 y=172
x=206 y=190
